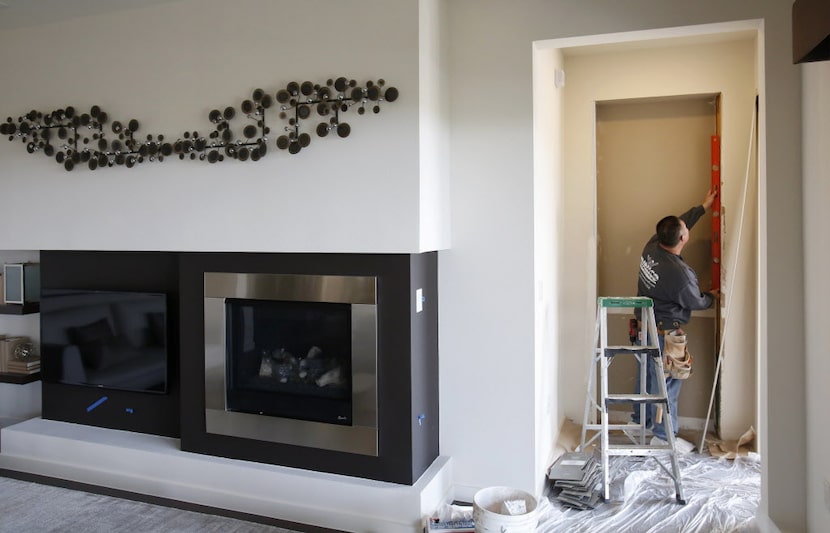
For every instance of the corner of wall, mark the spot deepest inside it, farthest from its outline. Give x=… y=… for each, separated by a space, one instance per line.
x=433 y=136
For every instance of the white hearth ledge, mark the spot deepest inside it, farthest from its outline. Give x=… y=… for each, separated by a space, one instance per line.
x=153 y=465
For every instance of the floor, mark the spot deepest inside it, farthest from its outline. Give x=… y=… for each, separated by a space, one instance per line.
x=721 y=486
x=29 y=506
x=722 y=495
x=157 y=467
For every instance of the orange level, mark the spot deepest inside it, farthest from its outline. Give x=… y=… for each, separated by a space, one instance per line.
x=716 y=212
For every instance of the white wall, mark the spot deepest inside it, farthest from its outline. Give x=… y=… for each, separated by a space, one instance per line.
x=486 y=280
x=816 y=135
x=434 y=138
x=168 y=67
x=548 y=103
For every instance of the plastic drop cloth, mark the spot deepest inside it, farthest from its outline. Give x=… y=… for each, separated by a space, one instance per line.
x=722 y=495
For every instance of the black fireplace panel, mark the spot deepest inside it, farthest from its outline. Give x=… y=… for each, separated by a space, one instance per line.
x=110 y=407
x=406 y=429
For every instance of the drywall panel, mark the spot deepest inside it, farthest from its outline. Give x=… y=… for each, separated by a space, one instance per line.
x=739 y=274
x=653 y=160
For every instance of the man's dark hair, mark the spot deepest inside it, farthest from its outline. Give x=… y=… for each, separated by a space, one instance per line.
x=668 y=231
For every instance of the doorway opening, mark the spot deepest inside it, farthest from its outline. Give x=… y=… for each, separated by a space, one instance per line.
x=573 y=78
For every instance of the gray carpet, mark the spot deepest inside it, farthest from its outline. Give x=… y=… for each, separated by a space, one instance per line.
x=34 y=507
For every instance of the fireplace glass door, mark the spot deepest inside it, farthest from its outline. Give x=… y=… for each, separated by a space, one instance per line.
x=289 y=359
x=292 y=359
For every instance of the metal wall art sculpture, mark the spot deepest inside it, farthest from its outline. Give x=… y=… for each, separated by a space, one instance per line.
x=75 y=138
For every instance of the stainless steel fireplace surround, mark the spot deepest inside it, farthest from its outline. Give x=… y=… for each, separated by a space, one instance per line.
x=360 y=292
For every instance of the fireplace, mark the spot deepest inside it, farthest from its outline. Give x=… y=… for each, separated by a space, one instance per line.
x=292 y=358
x=324 y=362
x=315 y=361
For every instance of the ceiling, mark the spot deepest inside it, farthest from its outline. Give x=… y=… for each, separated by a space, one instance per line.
x=26 y=13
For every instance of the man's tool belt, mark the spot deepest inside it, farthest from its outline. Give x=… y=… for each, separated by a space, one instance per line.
x=677 y=359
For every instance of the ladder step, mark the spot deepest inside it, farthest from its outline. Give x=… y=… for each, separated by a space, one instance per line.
x=635 y=398
x=642 y=449
x=610 y=351
x=625 y=301
x=616 y=427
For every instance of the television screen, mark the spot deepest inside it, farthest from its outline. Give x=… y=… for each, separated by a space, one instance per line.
x=106 y=339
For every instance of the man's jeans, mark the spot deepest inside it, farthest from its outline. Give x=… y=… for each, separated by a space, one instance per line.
x=672 y=389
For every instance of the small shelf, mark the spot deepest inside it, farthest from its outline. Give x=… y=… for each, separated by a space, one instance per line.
x=20 y=309
x=19 y=379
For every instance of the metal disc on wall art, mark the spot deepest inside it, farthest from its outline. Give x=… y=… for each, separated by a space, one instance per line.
x=99 y=150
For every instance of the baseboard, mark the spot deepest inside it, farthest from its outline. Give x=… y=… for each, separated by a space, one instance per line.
x=155 y=466
x=464 y=493
x=765 y=523
x=9 y=421
x=165 y=502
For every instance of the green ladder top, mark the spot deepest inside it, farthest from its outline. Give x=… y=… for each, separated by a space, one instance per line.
x=630 y=301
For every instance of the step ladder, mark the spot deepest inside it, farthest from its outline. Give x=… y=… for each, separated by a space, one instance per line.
x=636 y=444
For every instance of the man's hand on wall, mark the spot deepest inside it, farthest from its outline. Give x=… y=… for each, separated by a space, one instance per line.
x=710 y=198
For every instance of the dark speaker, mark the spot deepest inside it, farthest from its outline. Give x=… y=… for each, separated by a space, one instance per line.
x=21 y=283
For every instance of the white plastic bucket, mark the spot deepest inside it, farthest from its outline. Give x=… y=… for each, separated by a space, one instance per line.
x=490 y=517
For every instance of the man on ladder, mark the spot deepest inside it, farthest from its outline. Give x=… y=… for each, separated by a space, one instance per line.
x=672 y=284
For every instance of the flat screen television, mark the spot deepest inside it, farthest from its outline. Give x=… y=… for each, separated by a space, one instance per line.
x=106 y=339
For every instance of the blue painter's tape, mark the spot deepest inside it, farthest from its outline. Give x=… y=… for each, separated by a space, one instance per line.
x=98 y=402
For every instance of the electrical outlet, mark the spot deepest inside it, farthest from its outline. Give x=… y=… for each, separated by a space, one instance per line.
x=827 y=494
